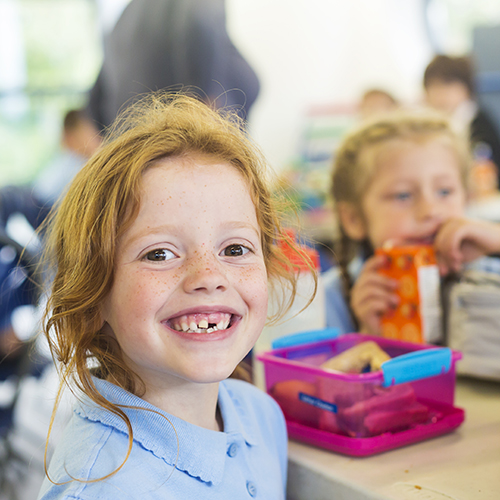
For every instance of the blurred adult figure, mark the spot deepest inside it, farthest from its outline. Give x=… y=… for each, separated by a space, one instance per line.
x=158 y=44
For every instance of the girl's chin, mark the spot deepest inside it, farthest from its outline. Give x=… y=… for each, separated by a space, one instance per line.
x=210 y=376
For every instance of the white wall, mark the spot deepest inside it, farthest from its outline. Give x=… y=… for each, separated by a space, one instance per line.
x=12 y=60
x=310 y=52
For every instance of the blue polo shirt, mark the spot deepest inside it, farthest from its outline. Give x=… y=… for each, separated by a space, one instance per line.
x=248 y=460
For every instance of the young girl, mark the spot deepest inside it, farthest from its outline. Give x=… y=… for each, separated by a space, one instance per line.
x=163 y=248
x=399 y=180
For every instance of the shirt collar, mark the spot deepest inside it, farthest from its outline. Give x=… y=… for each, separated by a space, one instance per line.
x=355 y=266
x=160 y=431
x=235 y=415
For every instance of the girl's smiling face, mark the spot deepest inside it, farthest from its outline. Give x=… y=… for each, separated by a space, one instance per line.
x=189 y=296
x=415 y=188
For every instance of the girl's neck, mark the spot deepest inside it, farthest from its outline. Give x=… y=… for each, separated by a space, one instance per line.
x=194 y=403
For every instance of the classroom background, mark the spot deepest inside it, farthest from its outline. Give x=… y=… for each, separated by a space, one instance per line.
x=314 y=60
x=308 y=56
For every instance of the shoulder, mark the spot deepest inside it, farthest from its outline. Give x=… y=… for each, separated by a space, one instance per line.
x=332 y=279
x=337 y=312
x=87 y=449
x=333 y=285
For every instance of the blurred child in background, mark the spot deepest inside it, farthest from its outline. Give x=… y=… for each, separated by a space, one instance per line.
x=79 y=140
x=375 y=102
x=400 y=179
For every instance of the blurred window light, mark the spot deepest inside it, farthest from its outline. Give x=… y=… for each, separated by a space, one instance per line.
x=50 y=53
x=451 y=23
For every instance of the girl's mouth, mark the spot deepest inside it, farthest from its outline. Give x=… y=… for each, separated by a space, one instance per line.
x=429 y=240
x=201 y=322
x=422 y=240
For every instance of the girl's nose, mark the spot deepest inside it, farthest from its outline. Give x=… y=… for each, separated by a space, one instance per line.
x=427 y=208
x=204 y=273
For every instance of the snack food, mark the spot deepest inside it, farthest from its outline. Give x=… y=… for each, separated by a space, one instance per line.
x=418 y=315
x=395 y=420
x=358 y=358
x=288 y=395
x=360 y=411
x=371 y=410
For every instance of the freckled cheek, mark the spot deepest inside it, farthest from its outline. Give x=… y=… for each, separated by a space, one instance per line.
x=253 y=283
x=141 y=290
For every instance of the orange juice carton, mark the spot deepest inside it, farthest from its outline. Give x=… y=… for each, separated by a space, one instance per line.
x=417 y=318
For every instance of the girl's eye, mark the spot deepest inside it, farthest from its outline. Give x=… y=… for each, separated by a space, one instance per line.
x=235 y=250
x=402 y=196
x=444 y=192
x=159 y=255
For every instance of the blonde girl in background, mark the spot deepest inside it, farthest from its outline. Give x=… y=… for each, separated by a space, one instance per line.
x=162 y=251
x=400 y=180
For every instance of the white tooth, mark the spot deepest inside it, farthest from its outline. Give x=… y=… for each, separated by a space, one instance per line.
x=210 y=330
x=185 y=326
x=177 y=327
x=193 y=325
x=203 y=324
x=221 y=325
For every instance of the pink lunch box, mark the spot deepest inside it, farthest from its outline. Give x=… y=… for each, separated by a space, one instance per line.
x=410 y=399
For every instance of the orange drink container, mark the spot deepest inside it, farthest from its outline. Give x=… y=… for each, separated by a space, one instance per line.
x=417 y=318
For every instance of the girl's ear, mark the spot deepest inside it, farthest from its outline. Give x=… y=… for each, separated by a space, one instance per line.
x=352 y=221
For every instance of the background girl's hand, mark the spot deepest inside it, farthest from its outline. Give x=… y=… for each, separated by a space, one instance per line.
x=462 y=240
x=372 y=295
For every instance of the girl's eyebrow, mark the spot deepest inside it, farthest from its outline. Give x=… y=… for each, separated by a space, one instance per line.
x=443 y=176
x=242 y=225
x=149 y=231
x=171 y=229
